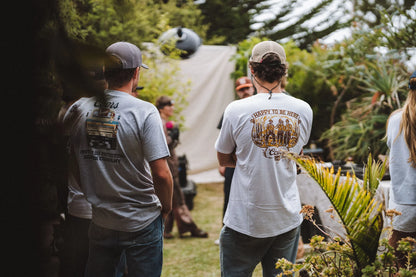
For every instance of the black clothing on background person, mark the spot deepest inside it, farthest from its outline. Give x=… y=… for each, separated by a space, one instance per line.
x=180 y=212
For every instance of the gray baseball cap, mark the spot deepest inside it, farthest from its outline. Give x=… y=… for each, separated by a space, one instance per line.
x=128 y=54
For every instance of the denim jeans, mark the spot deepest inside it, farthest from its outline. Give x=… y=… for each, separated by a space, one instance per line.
x=143 y=251
x=240 y=254
x=74 y=255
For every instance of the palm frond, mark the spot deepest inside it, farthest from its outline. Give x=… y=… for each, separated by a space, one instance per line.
x=359 y=212
x=373 y=174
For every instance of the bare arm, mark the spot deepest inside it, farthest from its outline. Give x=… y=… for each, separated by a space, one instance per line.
x=162 y=180
x=228 y=160
x=221 y=170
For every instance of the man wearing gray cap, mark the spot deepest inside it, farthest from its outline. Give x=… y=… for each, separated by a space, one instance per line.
x=261 y=224
x=119 y=152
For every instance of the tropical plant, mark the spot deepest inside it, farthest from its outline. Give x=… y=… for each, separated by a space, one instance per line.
x=359 y=212
x=384 y=79
x=362 y=126
x=353 y=137
x=373 y=174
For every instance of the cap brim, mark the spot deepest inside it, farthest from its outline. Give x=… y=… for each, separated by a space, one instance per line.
x=244 y=86
x=144 y=66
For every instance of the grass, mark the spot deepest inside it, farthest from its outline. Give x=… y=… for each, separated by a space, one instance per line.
x=199 y=257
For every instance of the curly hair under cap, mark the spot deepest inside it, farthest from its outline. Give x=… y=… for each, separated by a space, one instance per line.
x=270 y=69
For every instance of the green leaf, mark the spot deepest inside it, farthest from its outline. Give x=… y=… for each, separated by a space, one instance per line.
x=359 y=212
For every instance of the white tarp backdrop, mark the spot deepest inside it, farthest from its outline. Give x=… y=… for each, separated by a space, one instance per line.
x=212 y=89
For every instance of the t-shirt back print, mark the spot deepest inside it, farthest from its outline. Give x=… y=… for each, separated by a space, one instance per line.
x=102 y=128
x=275 y=130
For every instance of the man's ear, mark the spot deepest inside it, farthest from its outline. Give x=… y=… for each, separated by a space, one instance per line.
x=137 y=72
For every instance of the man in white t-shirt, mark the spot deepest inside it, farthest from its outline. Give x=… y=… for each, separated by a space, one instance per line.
x=262 y=219
x=120 y=151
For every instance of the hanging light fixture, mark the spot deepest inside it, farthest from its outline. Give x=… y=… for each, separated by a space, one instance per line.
x=182 y=41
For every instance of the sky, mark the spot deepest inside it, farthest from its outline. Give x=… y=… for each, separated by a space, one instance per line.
x=333 y=10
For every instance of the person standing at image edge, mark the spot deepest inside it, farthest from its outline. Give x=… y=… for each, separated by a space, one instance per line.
x=120 y=153
x=401 y=140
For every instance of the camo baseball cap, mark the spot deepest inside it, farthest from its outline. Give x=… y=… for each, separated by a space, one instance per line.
x=266 y=47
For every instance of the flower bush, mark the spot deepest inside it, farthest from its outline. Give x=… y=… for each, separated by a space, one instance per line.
x=335 y=258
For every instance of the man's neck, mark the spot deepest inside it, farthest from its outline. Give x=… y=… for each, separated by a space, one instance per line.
x=276 y=90
x=266 y=87
x=123 y=89
x=127 y=88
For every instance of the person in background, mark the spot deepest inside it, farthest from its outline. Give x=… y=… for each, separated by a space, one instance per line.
x=262 y=221
x=401 y=140
x=119 y=159
x=180 y=212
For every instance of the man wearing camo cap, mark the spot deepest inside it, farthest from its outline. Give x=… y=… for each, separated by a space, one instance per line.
x=262 y=221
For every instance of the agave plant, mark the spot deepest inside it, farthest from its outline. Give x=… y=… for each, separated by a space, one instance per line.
x=362 y=126
x=355 y=204
x=384 y=79
x=356 y=137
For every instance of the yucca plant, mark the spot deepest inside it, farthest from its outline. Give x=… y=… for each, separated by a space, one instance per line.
x=355 y=204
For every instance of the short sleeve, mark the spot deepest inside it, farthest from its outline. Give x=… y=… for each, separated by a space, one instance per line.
x=153 y=137
x=225 y=142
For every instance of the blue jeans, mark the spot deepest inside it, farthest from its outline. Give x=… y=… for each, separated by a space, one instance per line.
x=74 y=254
x=240 y=254
x=143 y=251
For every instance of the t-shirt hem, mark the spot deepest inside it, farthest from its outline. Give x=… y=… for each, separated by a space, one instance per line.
x=264 y=235
x=117 y=227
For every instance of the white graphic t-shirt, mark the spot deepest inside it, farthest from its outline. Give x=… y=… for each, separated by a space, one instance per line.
x=264 y=199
